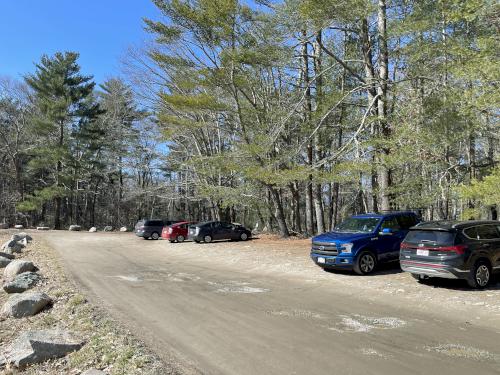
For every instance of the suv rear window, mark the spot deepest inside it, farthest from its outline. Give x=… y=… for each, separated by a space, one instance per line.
x=436 y=237
x=154 y=223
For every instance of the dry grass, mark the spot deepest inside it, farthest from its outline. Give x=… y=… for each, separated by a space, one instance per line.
x=108 y=346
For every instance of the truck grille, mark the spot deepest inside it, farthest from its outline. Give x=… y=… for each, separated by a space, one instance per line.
x=325 y=248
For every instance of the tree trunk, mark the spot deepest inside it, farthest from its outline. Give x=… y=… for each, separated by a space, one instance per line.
x=280 y=214
x=383 y=171
x=307 y=118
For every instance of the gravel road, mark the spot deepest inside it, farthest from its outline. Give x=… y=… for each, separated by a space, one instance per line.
x=261 y=307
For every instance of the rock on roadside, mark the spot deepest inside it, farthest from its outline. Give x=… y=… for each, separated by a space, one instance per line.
x=39 y=346
x=12 y=246
x=25 y=304
x=17 y=267
x=7 y=255
x=108 y=228
x=22 y=236
x=93 y=229
x=42 y=228
x=22 y=282
x=19 y=226
x=4 y=262
x=123 y=229
x=74 y=228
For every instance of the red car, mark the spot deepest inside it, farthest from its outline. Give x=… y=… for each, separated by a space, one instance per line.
x=177 y=232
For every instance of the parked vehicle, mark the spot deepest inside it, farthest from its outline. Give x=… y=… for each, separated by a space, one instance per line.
x=217 y=230
x=177 y=232
x=361 y=242
x=149 y=228
x=468 y=250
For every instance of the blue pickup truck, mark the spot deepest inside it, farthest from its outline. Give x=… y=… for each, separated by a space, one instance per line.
x=362 y=241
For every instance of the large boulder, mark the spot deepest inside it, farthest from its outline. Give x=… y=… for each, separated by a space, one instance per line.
x=4 y=226
x=123 y=229
x=108 y=228
x=39 y=346
x=93 y=229
x=17 y=267
x=19 y=226
x=75 y=228
x=22 y=282
x=20 y=305
x=22 y=236
x=7 y=255
x=4 y=262
x=12 y=246
x=42 y=228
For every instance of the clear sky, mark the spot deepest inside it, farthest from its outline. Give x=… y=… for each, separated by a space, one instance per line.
x=100 y=30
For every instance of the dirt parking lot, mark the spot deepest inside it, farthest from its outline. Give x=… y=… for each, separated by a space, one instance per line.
x=290 y=259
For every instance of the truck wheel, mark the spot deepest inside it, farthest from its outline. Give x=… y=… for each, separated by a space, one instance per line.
x=480 y=275
x=365 y=263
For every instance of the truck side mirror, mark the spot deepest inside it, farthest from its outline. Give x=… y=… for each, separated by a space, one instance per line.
x=386 y=232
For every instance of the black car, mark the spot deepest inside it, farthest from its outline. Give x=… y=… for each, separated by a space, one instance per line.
x=217 y=230
x=149 y=228
x=468 y=250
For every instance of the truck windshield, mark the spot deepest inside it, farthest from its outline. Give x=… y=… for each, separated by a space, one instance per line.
x=358 y=225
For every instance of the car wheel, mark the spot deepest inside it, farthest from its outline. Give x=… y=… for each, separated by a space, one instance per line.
x=243 y=236
x=480 y=275
x=180 y=238
x=366 y=263
x=207 y=239
x=155 y=236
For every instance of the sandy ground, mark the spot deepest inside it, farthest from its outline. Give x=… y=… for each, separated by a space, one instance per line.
x=262 y=307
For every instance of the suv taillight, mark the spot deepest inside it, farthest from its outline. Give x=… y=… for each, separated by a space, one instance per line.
x=170 y=230
x=459 y=249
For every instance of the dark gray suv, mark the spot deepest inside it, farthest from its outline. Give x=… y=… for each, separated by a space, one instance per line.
x=468 y=250
x=149 y=229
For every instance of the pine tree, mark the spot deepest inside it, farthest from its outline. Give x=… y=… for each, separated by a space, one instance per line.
x=63 y=97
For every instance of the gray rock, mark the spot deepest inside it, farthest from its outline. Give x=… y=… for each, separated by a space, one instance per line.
x=4 y=226
x=108 y=228
x=4 y=262
x=25 y=304
x=12 y=246
x=93 y=229
x=7 y=255
x=39 y=346
x=93 y=371
x=19 y=226
x=123 y=229
x=42 y=228
x=17 y=267
x=22 y=236
x=22 y=282
x=75 y=228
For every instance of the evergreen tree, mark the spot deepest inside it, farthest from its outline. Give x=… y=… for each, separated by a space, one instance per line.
x=63 y=97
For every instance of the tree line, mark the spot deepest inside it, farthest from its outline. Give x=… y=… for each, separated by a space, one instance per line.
x=288 y=115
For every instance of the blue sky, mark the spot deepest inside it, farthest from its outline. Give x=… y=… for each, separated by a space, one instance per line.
x=100 y=30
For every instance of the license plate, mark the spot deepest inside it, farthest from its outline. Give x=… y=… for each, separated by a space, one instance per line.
x=322 y=260
x=423 y=252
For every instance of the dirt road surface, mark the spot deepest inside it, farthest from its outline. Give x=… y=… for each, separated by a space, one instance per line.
x=261 y=307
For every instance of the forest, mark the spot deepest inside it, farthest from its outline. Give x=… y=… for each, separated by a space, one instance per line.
x=285 y=116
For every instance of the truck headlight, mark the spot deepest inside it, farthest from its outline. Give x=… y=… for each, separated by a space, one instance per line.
x=346 y=248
